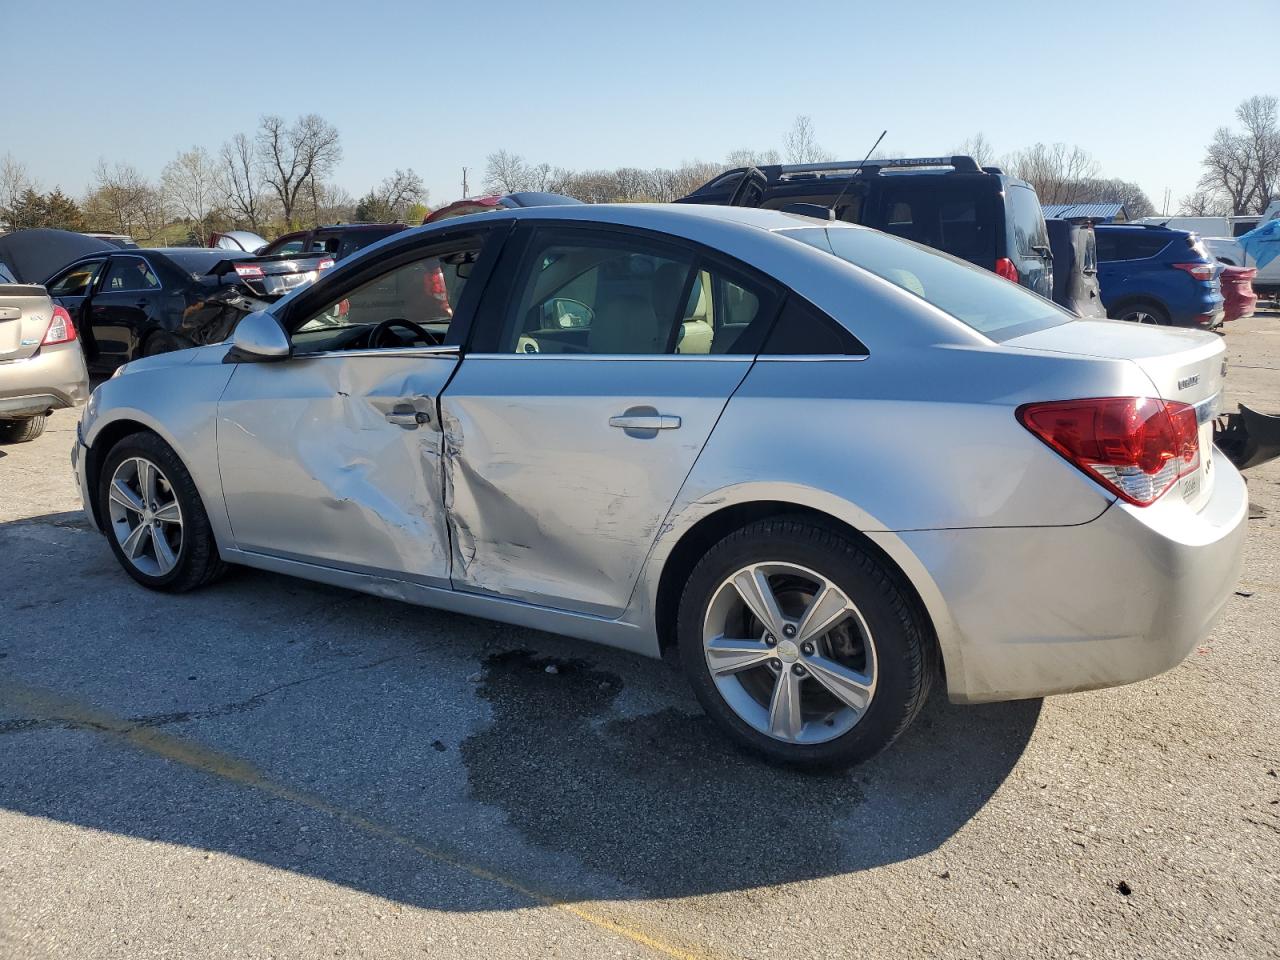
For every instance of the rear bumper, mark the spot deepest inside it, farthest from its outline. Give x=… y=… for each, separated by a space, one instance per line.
x=52 y=379
x=1039 y=611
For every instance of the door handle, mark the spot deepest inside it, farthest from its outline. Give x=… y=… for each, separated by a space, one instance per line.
x=405 y=416
x=653 y=421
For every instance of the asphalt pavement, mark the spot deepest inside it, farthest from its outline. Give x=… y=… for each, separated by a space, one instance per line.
x=273 y=768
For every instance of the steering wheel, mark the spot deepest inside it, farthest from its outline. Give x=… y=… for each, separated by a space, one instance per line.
x=379 y=333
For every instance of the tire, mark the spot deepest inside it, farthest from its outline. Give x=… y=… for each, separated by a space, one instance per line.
x=191 y=559
x=22 y=431
x=894 y=667
x=161 y=342
x=1143 y=312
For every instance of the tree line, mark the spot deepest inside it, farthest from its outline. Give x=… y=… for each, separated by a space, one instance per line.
x=276 y=179
x=280 y=177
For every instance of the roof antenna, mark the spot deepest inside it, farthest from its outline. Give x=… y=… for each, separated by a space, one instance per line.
x=845 y=188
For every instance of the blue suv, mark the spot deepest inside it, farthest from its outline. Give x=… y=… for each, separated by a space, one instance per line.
x=1152 y=274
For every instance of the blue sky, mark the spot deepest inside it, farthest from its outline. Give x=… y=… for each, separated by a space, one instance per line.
x=436 y=86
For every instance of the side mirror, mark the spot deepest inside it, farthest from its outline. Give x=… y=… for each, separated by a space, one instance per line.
x=259 y=337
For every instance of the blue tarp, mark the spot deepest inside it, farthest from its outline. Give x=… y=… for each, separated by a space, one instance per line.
x=1262 y=243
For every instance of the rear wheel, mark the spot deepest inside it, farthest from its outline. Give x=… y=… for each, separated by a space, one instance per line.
x=1149 y=313
x=21 y=431
x=802 y=646
x=155 y=522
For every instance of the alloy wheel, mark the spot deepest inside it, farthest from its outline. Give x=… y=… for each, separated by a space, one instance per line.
x=146 y=518
x=1142 y=316
x=789 y=652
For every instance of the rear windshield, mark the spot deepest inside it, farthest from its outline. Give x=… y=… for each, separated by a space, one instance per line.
x=977 y=298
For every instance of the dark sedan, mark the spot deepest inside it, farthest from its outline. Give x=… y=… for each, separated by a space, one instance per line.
x=136 y=303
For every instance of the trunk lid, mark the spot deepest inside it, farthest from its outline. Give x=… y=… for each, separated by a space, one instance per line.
x=1184 y=365
x=25 y=312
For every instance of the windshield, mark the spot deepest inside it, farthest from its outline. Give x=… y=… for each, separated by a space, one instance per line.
x=977 y=298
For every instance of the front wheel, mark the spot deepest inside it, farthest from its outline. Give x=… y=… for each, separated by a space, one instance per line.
x=802 y=645
x=155 y=521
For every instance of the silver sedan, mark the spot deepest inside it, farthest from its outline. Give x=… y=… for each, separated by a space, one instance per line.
x=821 y=466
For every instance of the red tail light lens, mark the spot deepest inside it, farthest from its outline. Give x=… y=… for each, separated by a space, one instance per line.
x=1006 y=269
x=1199 y=271
x=324 y=264
x=1136 y=447
x=248 y=271
x=61 y=329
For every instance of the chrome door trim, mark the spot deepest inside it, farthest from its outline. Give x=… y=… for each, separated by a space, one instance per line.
x=383 y=352
x=739 y=357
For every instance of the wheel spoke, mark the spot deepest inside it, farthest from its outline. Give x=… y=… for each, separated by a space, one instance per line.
x=785 y=721
x=731 y=656
x=147 y=482
x=826 y=611
x=164 y=553
x=122 y=495
x=850 y=687
x=753 y=586
x=169 y=513
x=137 y=539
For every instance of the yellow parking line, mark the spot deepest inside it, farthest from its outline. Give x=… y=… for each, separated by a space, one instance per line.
x=49 y=705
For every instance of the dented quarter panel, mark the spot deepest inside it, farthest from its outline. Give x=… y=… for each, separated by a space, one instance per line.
x=548 y=501
x=312 y=470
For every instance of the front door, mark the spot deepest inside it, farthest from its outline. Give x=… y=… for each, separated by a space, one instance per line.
x=70 y=289
x=333 y=455
x=598 y=369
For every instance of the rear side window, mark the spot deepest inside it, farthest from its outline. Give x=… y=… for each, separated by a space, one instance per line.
x=129 y=273
x=955 y=216
x=1026 y=221
x=977 y=298
x=1113 y=246
x=804 y=330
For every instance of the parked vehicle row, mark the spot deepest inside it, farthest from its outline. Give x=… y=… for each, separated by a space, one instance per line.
x=737 y=435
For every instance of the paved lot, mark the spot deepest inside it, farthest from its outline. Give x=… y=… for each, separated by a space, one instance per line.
x=273 y=768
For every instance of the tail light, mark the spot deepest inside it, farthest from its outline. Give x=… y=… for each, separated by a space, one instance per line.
x=433 y=281
x=324 y=264
x=61 y=329
x=1006 y=269
x=1198 y=271
x=1136 y=447
x=247 y=271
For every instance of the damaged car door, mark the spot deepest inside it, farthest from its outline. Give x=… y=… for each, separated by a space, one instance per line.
x=333 y=455
x=600 y=362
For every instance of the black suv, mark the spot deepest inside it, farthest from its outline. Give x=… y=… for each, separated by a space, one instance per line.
x=982 y=215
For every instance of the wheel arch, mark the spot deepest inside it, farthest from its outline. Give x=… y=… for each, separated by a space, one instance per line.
x=684 y=553
x=105 y=437
x=1135 y=300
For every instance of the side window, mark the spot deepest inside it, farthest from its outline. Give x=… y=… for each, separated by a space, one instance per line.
x=423 y=292
x=804 y=330
x=76 y=281
x=292 y=245
x=1027 y=219
x=586 y=293
x=129 y=273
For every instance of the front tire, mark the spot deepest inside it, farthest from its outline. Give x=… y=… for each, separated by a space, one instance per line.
x=803 y=646
x=22 y=431
x=155 y=521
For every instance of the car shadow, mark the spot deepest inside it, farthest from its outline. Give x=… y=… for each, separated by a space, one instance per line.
x=575 y=770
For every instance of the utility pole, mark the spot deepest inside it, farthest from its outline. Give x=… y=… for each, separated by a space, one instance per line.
x=465 y=192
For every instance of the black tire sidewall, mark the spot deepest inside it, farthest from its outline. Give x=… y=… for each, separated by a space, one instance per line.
x=903 y=671
x=152 y=448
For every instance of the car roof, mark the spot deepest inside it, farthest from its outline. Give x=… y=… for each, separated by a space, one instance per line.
x=656 y=216
x=1139 y=228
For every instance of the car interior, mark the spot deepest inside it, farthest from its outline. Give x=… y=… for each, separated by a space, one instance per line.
x=409 y=306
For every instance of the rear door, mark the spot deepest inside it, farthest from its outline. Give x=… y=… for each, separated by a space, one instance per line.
x=125 y=307
x=599 y=366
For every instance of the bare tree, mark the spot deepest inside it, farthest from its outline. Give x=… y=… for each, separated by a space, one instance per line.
x=505 y=172
x=191 y=182
x=1058 y=172
x=1204 y=203
x=391 y=200
x=297 y=156
x=240 y=181
x=123 y=201
x=14 y=182
x=1228 y=171
x=801 y=143
x=978 y=147
x=1262 y=135
x=751 y=158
